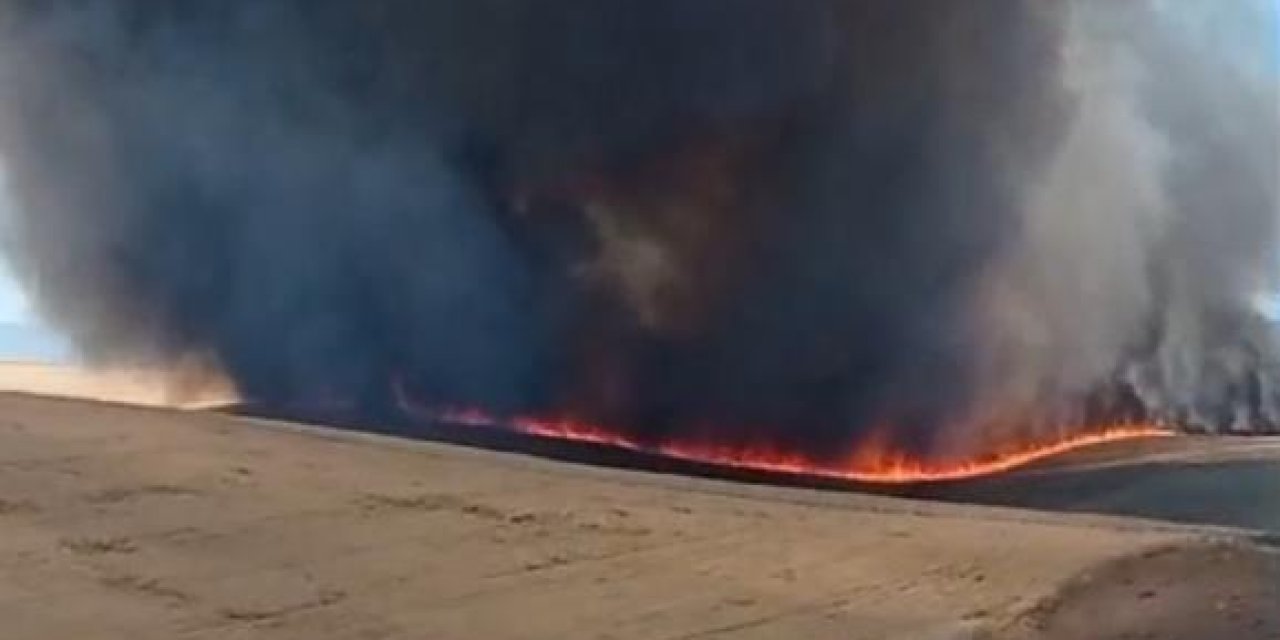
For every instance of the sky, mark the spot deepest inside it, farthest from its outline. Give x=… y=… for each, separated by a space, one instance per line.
x=23 y=335
x=1255 y=45
x=15 y=308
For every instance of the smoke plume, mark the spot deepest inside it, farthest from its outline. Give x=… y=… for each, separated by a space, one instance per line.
x=796 y=224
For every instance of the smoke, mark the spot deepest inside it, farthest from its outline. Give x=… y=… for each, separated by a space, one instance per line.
x=800 y=225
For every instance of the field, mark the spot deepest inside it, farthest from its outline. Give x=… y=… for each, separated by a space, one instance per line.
x=139 y=523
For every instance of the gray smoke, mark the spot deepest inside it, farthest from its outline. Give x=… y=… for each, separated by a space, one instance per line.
x=759 y=222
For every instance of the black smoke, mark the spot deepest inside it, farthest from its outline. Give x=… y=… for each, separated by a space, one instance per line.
x=789 y=223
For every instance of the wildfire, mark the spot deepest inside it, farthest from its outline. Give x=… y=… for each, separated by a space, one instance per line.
x=872 y=464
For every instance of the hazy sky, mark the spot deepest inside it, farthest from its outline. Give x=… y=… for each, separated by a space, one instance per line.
x=13 y=303
x=14 y=306
x=23 y=336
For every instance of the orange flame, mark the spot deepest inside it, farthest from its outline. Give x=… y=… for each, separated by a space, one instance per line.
x=871 y=465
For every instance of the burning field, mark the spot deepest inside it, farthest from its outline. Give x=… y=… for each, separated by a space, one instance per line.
x=870 y=463
x=1023 y=254
x=873 y=240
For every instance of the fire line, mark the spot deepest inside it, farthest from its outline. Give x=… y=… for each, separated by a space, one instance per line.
x=870 y=466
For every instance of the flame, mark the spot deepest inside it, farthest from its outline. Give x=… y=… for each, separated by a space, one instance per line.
x=873 y=464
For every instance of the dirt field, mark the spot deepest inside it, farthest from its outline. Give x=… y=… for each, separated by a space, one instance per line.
x=137 y=523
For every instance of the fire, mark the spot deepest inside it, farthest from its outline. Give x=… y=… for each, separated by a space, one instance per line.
x=871 y=465
x=883 y=466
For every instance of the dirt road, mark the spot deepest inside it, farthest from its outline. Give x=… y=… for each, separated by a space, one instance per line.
x=143 y=524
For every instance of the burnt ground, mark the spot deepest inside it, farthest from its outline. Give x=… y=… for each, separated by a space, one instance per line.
x=1230 y=482
x=1227 y=482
